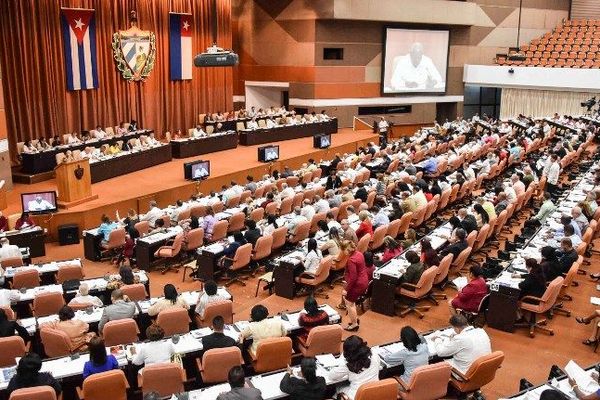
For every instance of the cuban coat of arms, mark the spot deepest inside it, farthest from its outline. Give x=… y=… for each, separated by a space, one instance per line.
x=134 y=51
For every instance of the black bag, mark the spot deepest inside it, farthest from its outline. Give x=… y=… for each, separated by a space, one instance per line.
x=70 y=285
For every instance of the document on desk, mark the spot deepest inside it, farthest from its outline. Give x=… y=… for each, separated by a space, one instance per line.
x=327 y=360
x=460 y=282
x=581 y=377
x=209 y=393
x=268 y=384
x=595 y=300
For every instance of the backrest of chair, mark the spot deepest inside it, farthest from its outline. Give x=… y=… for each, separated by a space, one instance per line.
x=279 y=236
x=47 y=303
x=262 y=248
x=223 y=308
x=443 y=269
x=242 y=257
x=135 y=292
x=10 y=313
x=174 y=320
x=12 y=262
x=571 y=273
x=220 y=230
x=482 y=371
x=271 y=208
x=273 y=353
x=462 y=258
x=106 y=385
x=216 y=363
x=471 y=237
x=418 y=216
x=378 y=236
x=257 y=214
x=120 y=331
x=363 y=243
x=184 y=214
x=69 y=272
x=12 y=220
x=481 y=237
x=405 y=222
x=393 y=228
x=26 y=279
x=11 y=347
x=302 y=231
x=426 y=281
x=34 y=393
x=56 y=343
x=142 y=227
x=325 y=339
x=551 y=294
x=315 y=220
x=322 y=272
x=198 y=211
x=116 y=238
x=429 y=382
x=163 y=378
x=286 y=205
x=177 y=243
x=236 y=222
x=195 y=239
x=386 y=389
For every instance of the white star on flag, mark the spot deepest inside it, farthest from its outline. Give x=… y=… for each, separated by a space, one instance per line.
x=186 y=25
x=79 y=24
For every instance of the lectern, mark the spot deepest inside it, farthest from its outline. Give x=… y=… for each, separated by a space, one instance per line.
x=74 y=182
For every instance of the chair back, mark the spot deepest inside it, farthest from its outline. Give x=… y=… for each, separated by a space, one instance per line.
x=120 y=331
x=325 y=339
x=164 y=378
x=302 y=231
x=481 y=237
x=11 y=347
x=462 y=258
x=286 y=205
x=219 y=230
x=405 y=223
x=378 y=236
x=223 y=308
x=257 y=214
x=279 y=237
x=47 y=303
x=10 y=313
x=363 y=243
x=418 y=216
x=236 y=222
x=69 y=272
x=216 y=363
x=106 y=385
x=262 y=248
x=428 y=382
x=198 y=211
x=177 y=244
x=571 y=274
x=271 y=208
x=34 y=393
x=443 y=269
x=116 y=239
x=12 y=262
x=425 y=282
x=551 y=295
x=184 y=214
x=195 y=239
x=273 y=354
x=393 y=228
x=321 y=274
x=174 y=320
x=26 y=279
x=135 y=292
x=56 y=342
x=386 y=389
x=471 y=237
x=242 y=257
x=142 y=228
x=482 y=371
x=315 y=220
x=12 y=220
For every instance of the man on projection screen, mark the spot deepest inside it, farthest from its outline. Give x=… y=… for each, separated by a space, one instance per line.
x=415 y=71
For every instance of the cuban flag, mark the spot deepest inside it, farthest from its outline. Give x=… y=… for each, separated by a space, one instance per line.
x=79 y=35
x=180 y=40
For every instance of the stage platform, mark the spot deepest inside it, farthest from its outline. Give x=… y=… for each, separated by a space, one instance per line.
x=165 y=183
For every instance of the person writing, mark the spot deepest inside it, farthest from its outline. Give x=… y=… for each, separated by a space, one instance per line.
x=414 y=354
x=217 y=339
x=261 y=327
x=171 y=300
x=99 y=360
x=155 y=350
x=311 y=317
x=29 y=375
x=469 y=297
x=306 y=386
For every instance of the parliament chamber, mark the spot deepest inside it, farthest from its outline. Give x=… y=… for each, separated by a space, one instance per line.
x=246 y=199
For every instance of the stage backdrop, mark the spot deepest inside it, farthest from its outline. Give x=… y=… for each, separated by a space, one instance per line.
x=33 y=69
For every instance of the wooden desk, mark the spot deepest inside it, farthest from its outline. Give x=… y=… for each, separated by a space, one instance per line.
x=502 y=310
x=287 y=132
x=125 y=164
x=32 y=238
x=283 y=275
x=210 y=144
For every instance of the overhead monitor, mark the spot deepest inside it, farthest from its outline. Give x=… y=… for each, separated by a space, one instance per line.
x=415 y=61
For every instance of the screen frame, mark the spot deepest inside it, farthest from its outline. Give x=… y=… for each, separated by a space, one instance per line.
x=262 y=152
x=192 y=164
x=384 y=55
x=54 y=210
x=319 y=138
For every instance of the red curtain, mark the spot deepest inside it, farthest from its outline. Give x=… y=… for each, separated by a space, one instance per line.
x=33 y=69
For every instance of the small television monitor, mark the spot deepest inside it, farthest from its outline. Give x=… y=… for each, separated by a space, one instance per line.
x=268 y=153
x=322 y=141
x=39 y=202
x=196 y=170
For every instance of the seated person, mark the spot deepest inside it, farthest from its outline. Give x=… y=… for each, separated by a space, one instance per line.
x=28 y=375
x=534 y=282
x=313 y=316
x=77 y=330
x=252 y=233
x=458 y=242
x=239 y=390
x=569 y=232
x=391 y=249
x=210 y=295
x=313 y=257
x=410 y=238
x=120 y=308
x=261 y=327
x=171 y=300
x=365 y=227
x=465 y=346
x=567 y=255
x=83 y=297
x=545 y=210
x=24 y=221
x=10 y=328
x=469 y=297
x=217 y=339
x=229 y=251
x=155 y=350
x=414 y=354
x=198 y=132
x=8 y=250
x=307 y=386
x=414 y=270
x=429 y=256
x=106 y=227
x=99 y=360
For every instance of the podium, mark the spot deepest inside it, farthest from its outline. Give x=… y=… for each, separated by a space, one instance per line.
x=74 y=182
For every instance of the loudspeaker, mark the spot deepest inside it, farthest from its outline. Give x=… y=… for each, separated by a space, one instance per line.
x=68 y=234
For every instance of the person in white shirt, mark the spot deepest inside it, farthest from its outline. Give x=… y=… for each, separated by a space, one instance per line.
x=415 y=71
x=465 y=345
x=99 y=133
x=286 y=191
x=152 y=140
x=198 y=132
x=511 y=195
x=180 y=206
x=39 y=204
x=8 y=296
x=308 y=211
x=8 y=250
x=313 y=257
x=153 y=213
x=73 y=139
x=156 y=350
x=552 y=174
x=321 y=205
x=252 y=124
x=28 y=147
x=270 y=123
x=296 y=220
x=83 y=297
x=358 y=364
x=517 y=185
x=332 y=222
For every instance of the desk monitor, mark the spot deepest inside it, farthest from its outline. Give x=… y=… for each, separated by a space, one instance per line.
x=195 y=170
x=39 y=202
x=322 y=141
x=268 y=153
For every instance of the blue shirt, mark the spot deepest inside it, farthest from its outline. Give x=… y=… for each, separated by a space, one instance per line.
x=105 y=229
x=430 y=166
x=90 y=368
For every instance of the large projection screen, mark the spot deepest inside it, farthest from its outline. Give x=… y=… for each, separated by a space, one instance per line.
x=415 y=61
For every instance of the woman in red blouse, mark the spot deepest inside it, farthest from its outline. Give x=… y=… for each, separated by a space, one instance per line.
x=429 y=257
x=24 y=221
x=469 y=298
x=357 y=282
x=365 y=224
x=311 y=318
x=391 y=249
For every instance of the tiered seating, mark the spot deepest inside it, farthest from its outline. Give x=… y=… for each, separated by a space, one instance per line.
x=574 y=44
